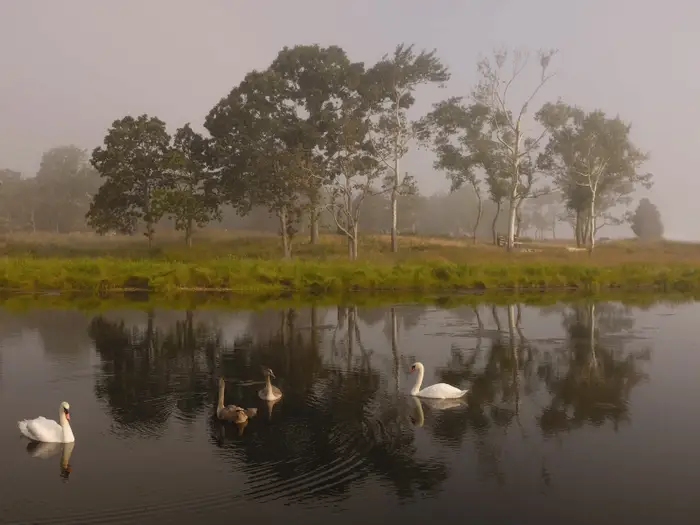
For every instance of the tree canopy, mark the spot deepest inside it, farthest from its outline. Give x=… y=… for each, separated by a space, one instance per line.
x=315 y=139
x=592 y=160
x=134 y=163
x=646 y=221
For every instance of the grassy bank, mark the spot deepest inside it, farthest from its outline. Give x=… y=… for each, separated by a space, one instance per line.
x=318 y=277
x=22 y=302
x=251 y=265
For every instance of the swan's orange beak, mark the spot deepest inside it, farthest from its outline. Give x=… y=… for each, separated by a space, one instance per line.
x=67 y=414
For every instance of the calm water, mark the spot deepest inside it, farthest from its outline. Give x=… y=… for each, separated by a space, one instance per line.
x=577 y=414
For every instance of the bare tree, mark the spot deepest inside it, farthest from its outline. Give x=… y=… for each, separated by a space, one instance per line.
x=507 y=144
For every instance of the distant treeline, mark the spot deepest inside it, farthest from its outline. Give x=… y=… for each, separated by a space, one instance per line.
x=316 y=141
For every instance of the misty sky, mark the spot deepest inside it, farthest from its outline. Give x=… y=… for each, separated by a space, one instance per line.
x=69 y=68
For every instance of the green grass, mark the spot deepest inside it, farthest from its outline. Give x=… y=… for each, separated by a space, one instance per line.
x=305 y=276
x=251 y=265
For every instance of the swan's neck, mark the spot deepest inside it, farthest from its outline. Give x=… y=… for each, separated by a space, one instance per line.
x=220 y=403
x=419 y=381
x=68 y=436
x=269 y=387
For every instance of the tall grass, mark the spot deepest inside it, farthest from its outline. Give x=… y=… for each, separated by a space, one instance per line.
x=251 y=264
x=260 y=276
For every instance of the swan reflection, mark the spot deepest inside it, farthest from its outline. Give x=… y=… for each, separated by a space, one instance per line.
x=41 y=450
x=434 y=404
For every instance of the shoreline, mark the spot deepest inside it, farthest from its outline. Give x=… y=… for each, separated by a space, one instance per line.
x=318 y=277
x=89 y=302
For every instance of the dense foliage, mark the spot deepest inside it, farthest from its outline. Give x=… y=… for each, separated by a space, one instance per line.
x=316 y=139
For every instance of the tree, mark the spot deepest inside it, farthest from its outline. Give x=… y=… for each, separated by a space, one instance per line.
x=506 y=147
x=591 y=159
x=457 y=134
x=13 y=200
x=191 y=198
x=646 y=221
x=65 y=185
x=259 y=151
x=134 y=161
x=355 y=170
x=315 y=83
x=393 y=81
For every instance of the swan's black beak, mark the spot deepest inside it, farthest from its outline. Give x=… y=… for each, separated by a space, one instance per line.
x=273 y=374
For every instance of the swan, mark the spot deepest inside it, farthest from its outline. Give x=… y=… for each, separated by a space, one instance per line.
x=436 y=391
x=269 y=393
x=232 y=412
x=47 y=430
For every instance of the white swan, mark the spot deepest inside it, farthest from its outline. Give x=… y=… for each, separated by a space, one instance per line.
x=436 y=391
x=47 y=430
x=270 y=392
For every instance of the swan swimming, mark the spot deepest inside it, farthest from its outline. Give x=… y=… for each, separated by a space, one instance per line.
x=436 y=391
x=47 y=430
x=270 y=392
x=232 y=412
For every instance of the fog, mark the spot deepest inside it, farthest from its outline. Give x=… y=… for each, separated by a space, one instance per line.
x=70 y=68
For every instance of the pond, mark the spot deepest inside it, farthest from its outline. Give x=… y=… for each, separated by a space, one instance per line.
x=576 y=413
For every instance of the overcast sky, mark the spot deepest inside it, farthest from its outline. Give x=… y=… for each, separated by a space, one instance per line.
x=69 y=68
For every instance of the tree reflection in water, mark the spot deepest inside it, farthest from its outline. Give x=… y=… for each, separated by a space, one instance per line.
x=148 y=373
x=588 y=381
x=343 y=415
x=334 y=425
x=591 y=381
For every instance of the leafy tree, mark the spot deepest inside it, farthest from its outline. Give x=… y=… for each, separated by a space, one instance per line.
x=56 y=199
x=134 y=161
x=355 y=171
x=191 y=198
x=258 y=149
x=646 y=221
x=65 y=185
x=316 y=83
x=392 y=84
x=457 y=133
x=591 y=159
x=12 y=200
x=507 y=149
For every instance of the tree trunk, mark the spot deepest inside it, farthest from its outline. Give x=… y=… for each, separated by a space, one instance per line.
x=314 y=226
x=394 y=217
x=578 y=229
x=395 y=197
x=284 y=231
x=512 y=209
x=591 y=225
x=188 y=233
x=149 y=233
x=493 y=224
x=479 y=210
x=314 y=216
x=355 y=229
x=585 y=223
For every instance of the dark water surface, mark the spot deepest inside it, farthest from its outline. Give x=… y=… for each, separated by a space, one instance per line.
x=576 y=414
